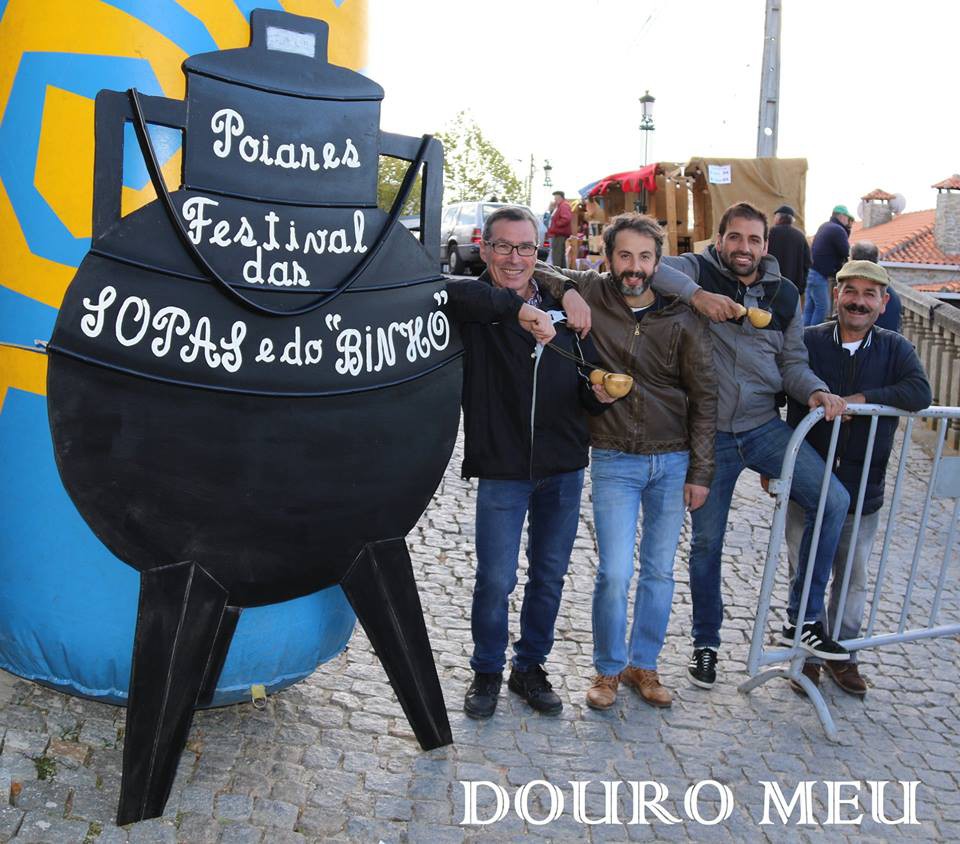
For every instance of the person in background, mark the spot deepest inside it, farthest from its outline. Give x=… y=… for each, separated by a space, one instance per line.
x=789 y=246
x=865 y=364
x=892 y=315
x=561 y=227
x=831 y=246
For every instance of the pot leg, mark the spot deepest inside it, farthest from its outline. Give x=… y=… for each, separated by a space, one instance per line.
x=180 y=614
x=228 y=625
x=383 y=593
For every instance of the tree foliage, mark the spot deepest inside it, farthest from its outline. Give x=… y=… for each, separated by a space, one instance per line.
x=392 y=171
x=473 y=167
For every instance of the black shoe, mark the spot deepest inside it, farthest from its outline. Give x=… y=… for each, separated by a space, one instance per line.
x=703 y=668
x=534 y=687
x=814 y=640
x=481 y=698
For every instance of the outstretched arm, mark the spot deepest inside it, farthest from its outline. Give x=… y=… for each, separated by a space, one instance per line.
x=678 y=275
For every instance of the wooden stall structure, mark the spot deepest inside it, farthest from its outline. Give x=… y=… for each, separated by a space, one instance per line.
x=767 y=183
x=688 y=200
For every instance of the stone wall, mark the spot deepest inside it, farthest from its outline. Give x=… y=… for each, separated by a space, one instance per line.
x=934 y=329
x=946 y=229
x=909 y=276
x=876 y=214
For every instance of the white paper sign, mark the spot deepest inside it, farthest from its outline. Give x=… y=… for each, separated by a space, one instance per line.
x=718 y=174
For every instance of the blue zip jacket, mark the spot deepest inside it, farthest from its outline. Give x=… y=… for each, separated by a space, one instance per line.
x=886 y=370
x=831 y=246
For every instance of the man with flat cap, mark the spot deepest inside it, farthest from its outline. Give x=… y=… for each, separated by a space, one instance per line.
x=789 y=246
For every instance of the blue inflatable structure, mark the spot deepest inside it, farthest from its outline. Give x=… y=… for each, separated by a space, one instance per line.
x=68 y=607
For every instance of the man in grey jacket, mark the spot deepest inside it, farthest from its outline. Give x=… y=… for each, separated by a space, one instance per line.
x=754 y=365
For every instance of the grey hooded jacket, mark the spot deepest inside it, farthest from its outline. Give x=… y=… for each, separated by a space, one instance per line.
x=753 y=364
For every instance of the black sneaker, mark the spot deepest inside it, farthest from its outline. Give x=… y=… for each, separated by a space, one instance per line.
x=703 y=668
x=481 y=698
x=534 y=687
x=814 y=640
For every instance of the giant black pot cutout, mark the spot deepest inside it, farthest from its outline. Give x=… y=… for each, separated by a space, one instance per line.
x=252 y=388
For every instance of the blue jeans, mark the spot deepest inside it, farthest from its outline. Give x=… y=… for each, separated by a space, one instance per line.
x=553 y=505
x=762 y=450
x=622 y=484
x=816 y=303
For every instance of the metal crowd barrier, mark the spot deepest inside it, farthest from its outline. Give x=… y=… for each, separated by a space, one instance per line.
x=943 y=483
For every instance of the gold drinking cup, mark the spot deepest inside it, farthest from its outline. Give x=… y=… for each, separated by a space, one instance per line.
x=616 y=384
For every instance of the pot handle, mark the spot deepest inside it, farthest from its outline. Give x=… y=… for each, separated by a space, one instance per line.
x=111 y=112
x=405 y=147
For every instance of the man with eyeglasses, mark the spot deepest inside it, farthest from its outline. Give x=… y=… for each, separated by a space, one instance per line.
x=525 y=438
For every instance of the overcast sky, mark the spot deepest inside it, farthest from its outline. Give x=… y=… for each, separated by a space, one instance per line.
x=868 y=90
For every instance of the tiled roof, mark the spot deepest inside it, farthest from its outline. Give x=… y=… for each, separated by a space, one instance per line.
x=907 y=238
x=878 y=194
x=920 y=249
x=888 y=235
x=951 y=286
x=953 y=183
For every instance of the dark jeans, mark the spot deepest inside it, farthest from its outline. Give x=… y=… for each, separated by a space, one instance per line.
x=762 y=450
x=552 y=506
x=558 y=250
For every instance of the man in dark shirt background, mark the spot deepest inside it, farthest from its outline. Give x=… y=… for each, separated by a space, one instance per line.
x=789 y=246
x=831 y=246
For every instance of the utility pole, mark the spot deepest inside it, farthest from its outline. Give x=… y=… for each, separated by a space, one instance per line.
x=769 y=83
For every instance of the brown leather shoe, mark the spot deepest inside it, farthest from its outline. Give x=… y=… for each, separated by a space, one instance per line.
x=646 y=683
x=811 y=670
x=603 y=692
x=847 y=676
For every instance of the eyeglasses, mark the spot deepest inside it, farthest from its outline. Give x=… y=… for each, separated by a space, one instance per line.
x=501 y=247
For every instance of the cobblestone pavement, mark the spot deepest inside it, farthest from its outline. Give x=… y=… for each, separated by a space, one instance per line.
x=333 y=758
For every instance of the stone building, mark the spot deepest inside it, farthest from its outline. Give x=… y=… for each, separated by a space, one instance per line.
x=919 y=247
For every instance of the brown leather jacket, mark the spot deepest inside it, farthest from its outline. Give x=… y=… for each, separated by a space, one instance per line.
x=669 y=353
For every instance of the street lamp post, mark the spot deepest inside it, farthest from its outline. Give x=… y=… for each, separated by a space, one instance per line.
x=646 y=121
x=530 y=180
x=546 y=173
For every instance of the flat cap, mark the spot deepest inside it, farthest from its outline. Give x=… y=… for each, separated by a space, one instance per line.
x=863 y=269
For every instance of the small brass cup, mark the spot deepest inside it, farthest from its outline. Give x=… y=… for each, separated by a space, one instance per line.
x=758 y=317
x=616 y=384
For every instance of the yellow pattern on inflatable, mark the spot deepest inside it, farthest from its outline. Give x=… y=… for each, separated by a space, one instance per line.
x=56 y=55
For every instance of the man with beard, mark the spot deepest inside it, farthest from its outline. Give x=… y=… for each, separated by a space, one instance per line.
x=864 y=363
x=753 y=365
x=831 y=245
x=652 y=450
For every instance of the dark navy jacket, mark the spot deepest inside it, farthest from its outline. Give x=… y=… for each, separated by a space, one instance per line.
x=831 y=246
x=524 y=418
x=892 y=315
x=886 y=370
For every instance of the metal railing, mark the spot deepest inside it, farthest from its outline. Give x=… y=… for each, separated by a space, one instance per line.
x=943 y=483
